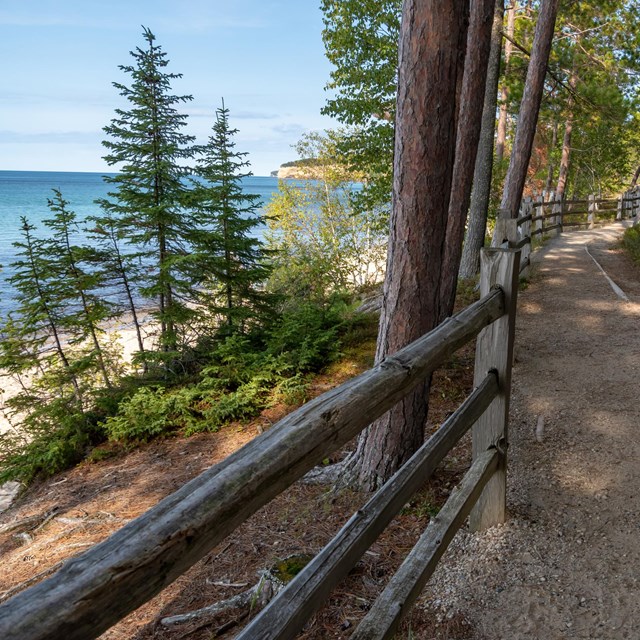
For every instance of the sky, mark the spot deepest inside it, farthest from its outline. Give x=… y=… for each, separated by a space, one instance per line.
x=60 y=58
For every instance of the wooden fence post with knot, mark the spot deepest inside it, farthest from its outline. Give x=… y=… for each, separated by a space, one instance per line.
x=494 y=351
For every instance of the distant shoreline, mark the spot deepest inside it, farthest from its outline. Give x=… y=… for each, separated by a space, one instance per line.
x=87 y=173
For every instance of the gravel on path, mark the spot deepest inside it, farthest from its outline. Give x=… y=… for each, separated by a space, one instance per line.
x=567 y=562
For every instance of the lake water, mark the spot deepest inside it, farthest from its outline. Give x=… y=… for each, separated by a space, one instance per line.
x=25 y=193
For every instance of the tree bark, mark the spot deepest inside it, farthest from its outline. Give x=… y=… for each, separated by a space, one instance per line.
x=432 y=35
x=481 y=191
x=554 y=142
x=636 y=175
x=563 y=173
x=529 y=108
x=468 y=126
x=504 y=90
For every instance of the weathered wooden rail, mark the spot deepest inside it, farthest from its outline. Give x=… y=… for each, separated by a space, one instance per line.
x=92 y=591
x=96 y=589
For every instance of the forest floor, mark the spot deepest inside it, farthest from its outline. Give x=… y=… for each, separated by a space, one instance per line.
x=564 y=565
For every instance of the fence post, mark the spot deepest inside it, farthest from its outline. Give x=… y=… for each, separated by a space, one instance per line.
x=556 y=209
x=494 y=350
x=627 y=205
x=619 y=213
x=592 y=217
x=525 y=232
x=540 y=223
x=506 y=229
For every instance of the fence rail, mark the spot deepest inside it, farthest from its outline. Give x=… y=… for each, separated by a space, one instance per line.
x=567 y=213
x=93 y=591
x=96 y=589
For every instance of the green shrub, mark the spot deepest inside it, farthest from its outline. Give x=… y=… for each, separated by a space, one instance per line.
x=631 y=242
x=47 y=445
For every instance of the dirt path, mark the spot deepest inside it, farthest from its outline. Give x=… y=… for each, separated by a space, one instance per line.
x=566 y=565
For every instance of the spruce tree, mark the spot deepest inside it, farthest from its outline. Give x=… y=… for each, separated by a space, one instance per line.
x=148 y=200
x=230 y=257
x=34 y=333
x=75 y=288
x=118 y=270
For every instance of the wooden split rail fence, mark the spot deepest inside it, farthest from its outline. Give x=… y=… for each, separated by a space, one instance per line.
x=94 y=590
x=549 y=215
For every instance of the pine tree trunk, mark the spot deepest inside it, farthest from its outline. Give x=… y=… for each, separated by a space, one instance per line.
x=550 y=171
x=501 y=138
x=529 y=108
x=432 y=38
x=481 y=192
x=563 y=173
x=468 y=126
x=132 y=307
x=90 y=324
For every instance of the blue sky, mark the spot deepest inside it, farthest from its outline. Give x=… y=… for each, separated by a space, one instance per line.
x=59 y=58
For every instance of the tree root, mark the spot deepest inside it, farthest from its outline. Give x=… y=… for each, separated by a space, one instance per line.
x=340 y=474
x=271 y=581
x=253 y=599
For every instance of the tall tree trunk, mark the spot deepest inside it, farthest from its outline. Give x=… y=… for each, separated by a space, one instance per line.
x=529 y=108
x=468 y=126
x=432 y=38
x=481 y=191
x=563 y=173
x=501 y=138
x=550 y=171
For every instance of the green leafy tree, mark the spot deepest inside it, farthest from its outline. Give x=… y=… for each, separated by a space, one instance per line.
x=361 y=41
x=230 y=257
x=148 y=202
x=323 y=244
x=598 y=61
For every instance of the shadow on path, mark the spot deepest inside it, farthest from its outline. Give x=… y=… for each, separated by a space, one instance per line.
x=566 y=564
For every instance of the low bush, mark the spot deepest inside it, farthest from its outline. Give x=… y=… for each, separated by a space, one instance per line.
x=245 y=374
x=631 y=243
x=49 y=443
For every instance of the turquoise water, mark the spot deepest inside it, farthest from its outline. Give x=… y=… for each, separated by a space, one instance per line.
x=25 y=193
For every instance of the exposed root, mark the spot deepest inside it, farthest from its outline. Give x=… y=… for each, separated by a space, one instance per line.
x=271 y=582
x=340 y=474
x=249 y=601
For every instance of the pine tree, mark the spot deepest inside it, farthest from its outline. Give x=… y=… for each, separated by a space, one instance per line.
x=118 y=270
x=75 y=288
x=33 y=334
x=230 y=256
x=149 y=197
